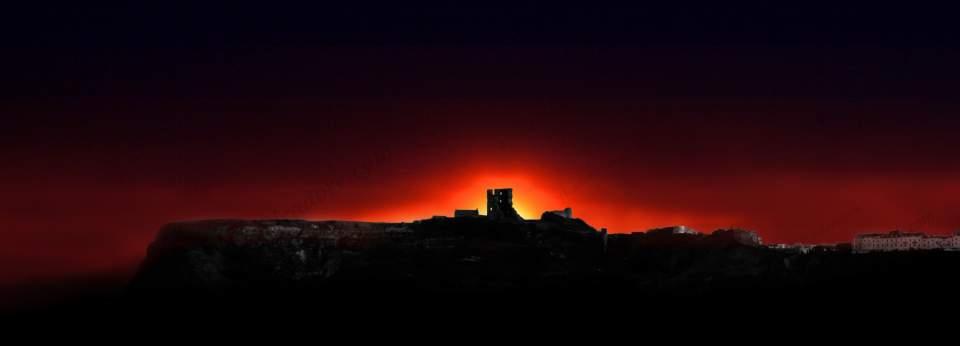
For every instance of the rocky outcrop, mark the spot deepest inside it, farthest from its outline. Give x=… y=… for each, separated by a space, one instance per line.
x=550 y=221
x=228 y=255
x=332 y=260
x=219 y=254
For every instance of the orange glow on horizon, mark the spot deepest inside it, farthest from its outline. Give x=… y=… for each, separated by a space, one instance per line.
x=533 y=194
x=530 y=200
x=602 y=203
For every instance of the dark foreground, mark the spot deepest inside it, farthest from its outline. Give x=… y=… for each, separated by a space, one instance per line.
x=455 y=269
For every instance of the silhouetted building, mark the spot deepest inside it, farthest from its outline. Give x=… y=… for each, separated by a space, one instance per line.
x=792 y=248
x=673 y=230
x=566 y=212
x=500 y=205
x=903 y=241
x=466 y=213
x=741 y=236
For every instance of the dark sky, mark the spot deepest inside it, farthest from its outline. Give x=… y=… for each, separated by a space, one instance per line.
x=806 y=123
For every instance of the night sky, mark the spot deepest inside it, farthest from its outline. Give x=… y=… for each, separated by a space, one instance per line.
x=805 y=123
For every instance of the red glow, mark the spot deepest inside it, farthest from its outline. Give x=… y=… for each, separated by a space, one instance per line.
x=85 y=223
x=90 y=195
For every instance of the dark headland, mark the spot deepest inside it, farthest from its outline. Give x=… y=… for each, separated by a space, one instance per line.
x=503 y=254
x=474 y=261
x=210 y=258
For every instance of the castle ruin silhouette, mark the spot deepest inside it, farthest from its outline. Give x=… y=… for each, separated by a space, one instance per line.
x=500 y=205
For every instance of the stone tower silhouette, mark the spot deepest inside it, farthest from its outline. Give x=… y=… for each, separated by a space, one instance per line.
x=500 y=205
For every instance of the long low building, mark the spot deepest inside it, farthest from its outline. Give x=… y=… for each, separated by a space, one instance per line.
x=904 y=241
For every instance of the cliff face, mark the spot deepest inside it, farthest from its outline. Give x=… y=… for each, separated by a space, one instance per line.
x=358 y=259
x=469 y=253
x=221 y=254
